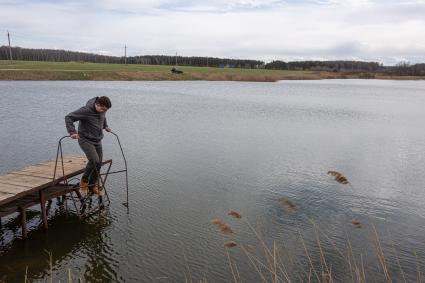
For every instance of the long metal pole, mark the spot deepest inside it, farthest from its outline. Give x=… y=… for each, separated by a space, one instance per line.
x=59 y=151
x=10 y=48
x=125 y=164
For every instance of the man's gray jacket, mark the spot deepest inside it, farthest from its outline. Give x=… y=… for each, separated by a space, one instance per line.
x=91 y=123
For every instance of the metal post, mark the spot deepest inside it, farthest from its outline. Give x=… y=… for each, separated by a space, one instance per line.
x=10 y=48
x=59 y=151
x=125 y=164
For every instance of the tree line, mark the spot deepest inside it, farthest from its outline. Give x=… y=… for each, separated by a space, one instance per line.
x=401 y=69
x=406 y=69
x=325 y=66
x=55 y=55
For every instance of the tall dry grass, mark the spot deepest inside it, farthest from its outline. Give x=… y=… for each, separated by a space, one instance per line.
x=50 y=278
x=273 y=262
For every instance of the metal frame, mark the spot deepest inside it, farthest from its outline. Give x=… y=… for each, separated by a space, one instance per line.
x=125 y=169
x=87 y=200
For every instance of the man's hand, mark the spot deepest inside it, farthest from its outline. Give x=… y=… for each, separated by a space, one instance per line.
x=75 y=136
x=108 y=130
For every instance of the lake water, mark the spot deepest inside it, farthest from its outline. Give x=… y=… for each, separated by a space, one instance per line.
x=197 y=150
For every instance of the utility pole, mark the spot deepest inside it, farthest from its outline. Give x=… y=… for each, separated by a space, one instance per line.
x=176 y=59
x=10 y=49
x=125 y=54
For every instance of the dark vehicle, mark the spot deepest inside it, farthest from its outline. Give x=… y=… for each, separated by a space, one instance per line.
x=175 y=71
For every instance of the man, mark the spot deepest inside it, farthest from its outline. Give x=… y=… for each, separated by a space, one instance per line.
x=92 y=122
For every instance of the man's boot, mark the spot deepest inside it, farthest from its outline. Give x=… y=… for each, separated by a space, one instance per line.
x=84 y=187
x=98 y=190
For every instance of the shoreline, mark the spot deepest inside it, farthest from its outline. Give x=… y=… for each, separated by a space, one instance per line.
x=43 y=75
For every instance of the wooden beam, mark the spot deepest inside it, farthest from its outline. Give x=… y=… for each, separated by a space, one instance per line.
x=43 y=209
x=23 y=222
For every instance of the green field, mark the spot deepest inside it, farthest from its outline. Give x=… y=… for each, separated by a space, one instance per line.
x=35 y=70
x=74 y=66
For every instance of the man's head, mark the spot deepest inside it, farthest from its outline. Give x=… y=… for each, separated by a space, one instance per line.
x=102 y=104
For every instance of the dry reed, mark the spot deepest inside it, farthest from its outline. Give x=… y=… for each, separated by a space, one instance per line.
x=356 y=223
x=338 y=177
x=381 y=256
x=26 y=275
x=235 y=214
x=230 y=244
x=288 y=204
x=222 y=226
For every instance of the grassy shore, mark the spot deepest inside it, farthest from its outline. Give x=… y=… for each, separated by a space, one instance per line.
x=34 y=70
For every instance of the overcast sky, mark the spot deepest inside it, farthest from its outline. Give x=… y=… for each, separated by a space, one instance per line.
x=373 y=30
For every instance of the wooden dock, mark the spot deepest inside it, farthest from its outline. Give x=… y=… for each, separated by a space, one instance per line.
x=39 y=183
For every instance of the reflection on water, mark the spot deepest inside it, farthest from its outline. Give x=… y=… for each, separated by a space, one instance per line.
x=66 y=235
x=198 y=150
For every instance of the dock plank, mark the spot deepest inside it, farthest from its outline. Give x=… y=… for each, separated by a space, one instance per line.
x=67 y=162
x=75 y=158
x=5 y=195
x=10 y=192
x=22 y=180
x=12 y=189
x=46 y=171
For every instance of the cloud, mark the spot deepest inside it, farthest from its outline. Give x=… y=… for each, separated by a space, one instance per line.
x=345 y=2
x=266 y=30
x=213 y=6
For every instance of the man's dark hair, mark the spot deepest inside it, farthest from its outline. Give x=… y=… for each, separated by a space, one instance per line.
x=104 y=101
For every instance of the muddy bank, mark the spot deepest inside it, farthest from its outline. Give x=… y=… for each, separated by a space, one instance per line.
x=98 y=75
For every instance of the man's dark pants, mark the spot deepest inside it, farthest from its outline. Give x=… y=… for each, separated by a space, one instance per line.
x=94 y=155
